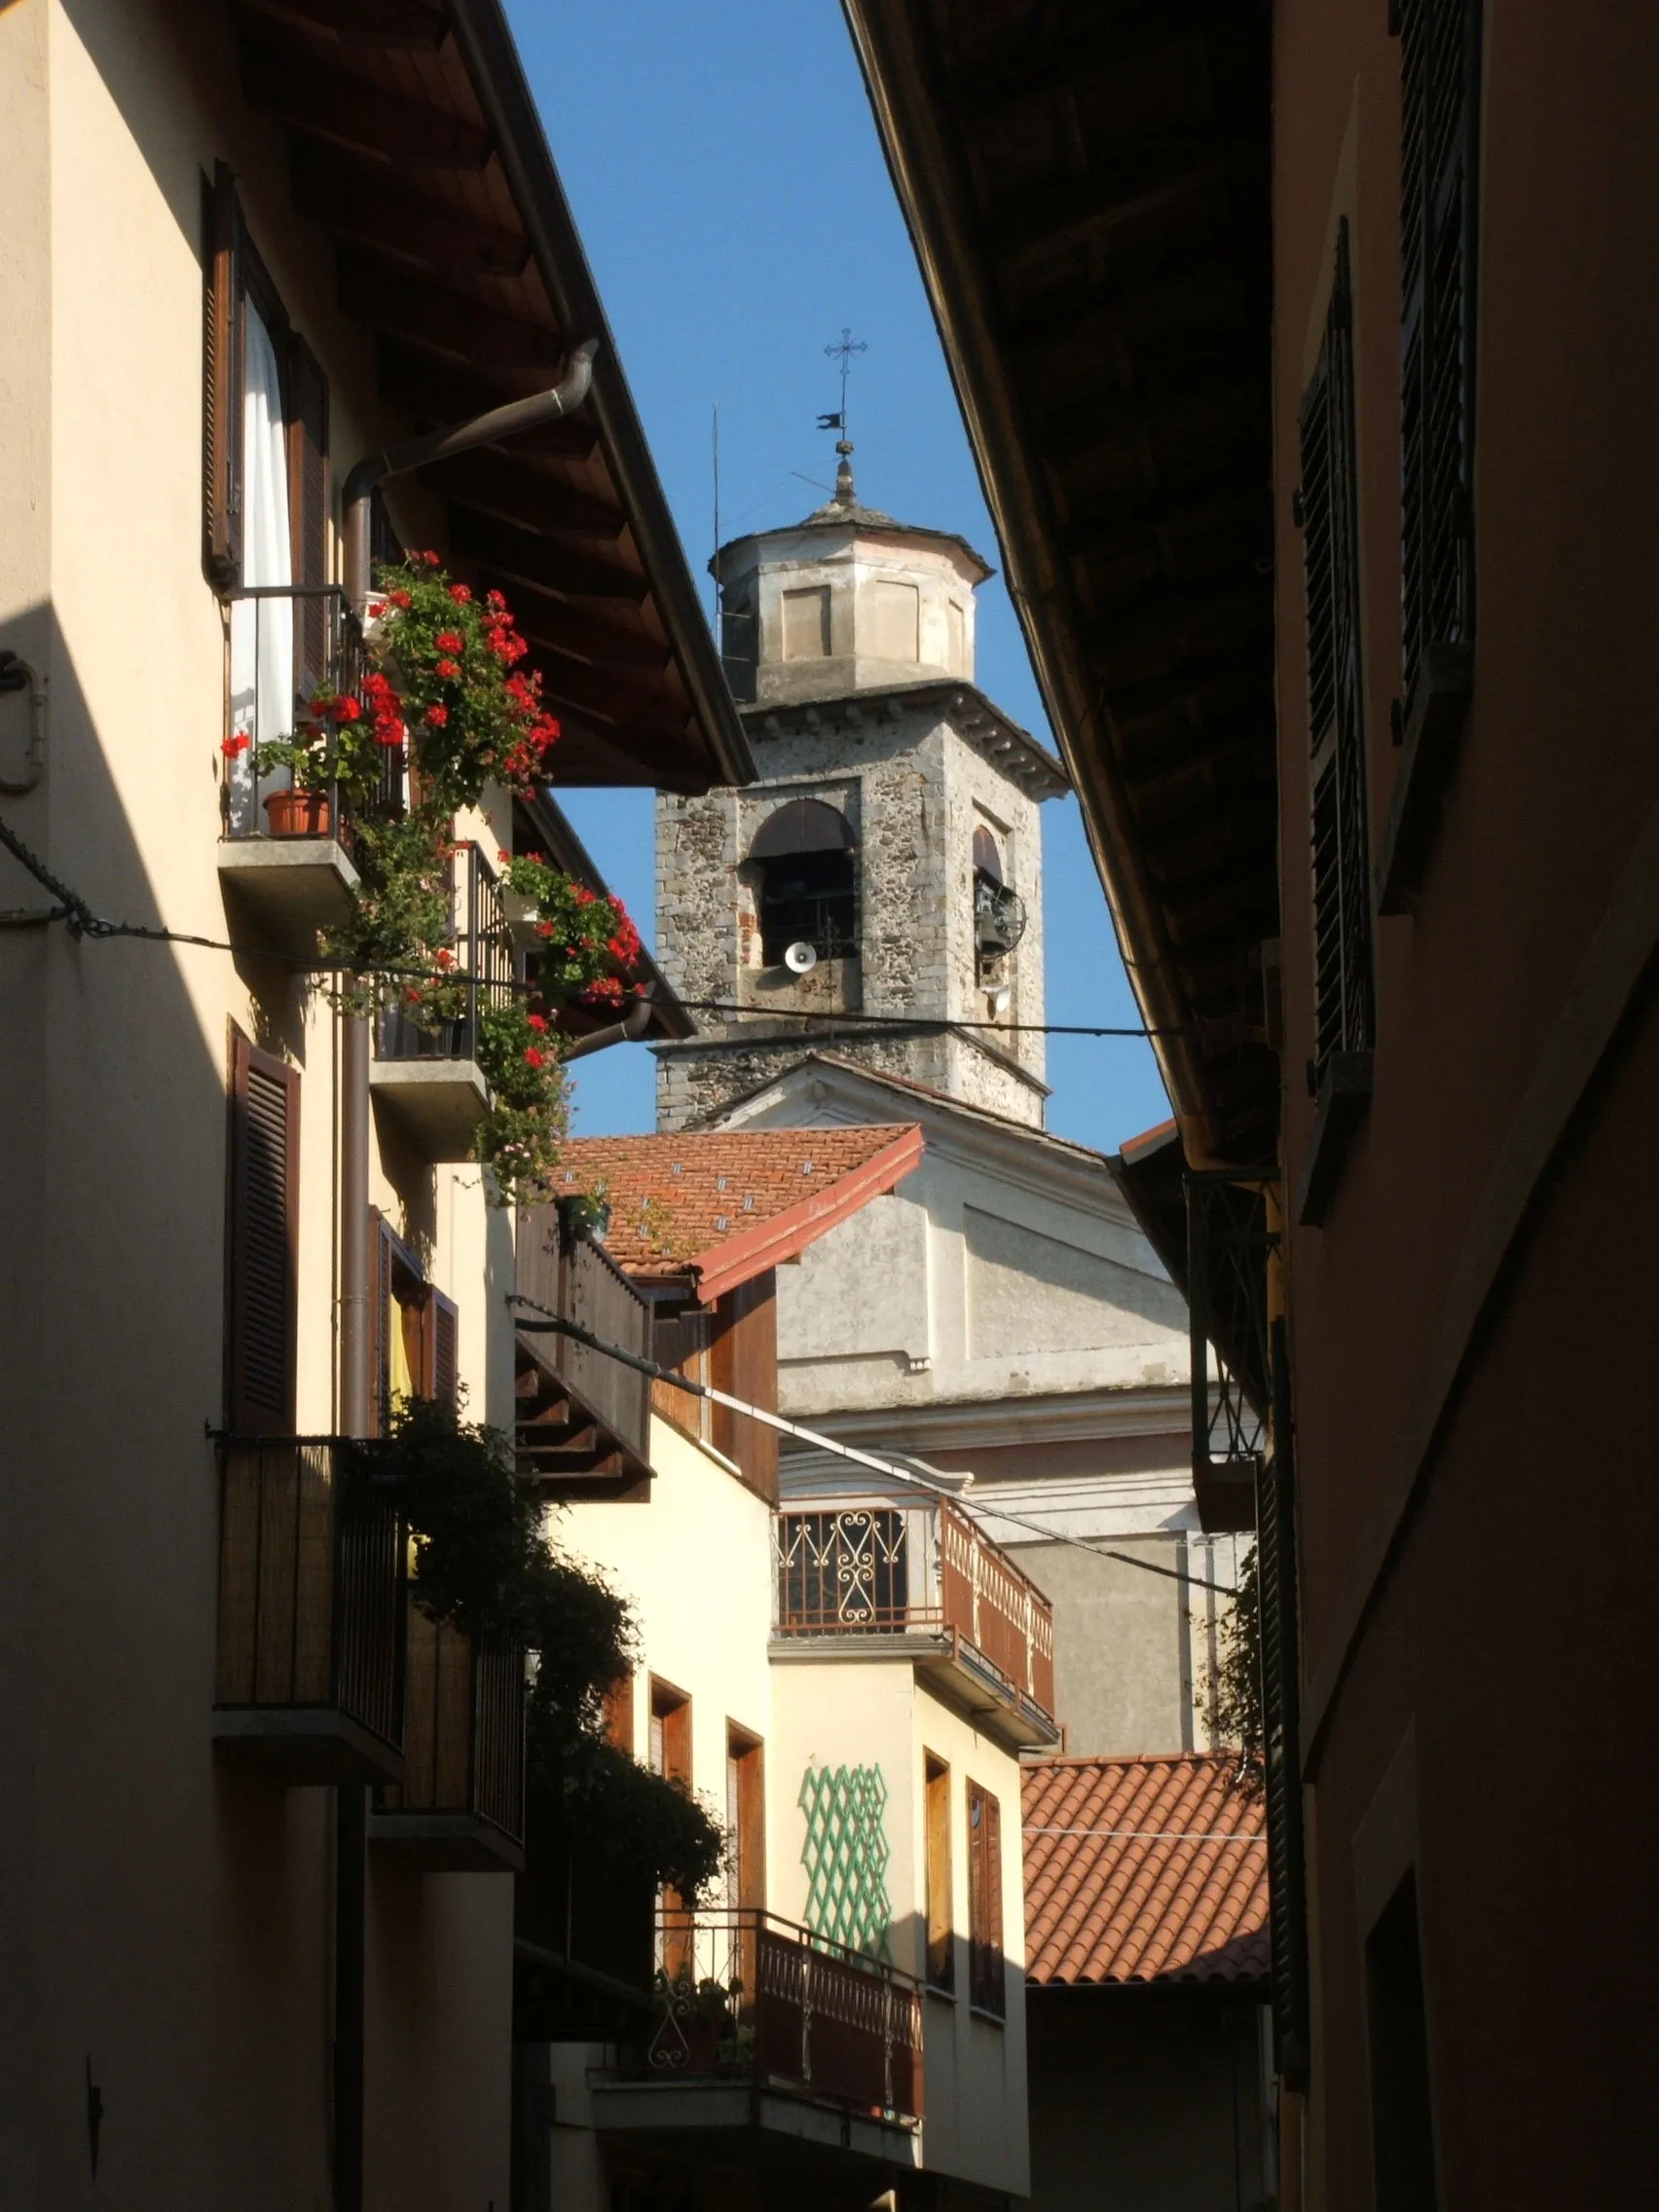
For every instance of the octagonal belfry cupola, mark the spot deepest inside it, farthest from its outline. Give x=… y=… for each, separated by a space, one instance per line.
x=877 y=890
x=846 y=600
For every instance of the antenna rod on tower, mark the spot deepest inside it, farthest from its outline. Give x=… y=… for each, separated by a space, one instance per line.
x=715 y=563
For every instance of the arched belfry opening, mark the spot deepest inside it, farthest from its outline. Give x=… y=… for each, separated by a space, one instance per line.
x=807 y=859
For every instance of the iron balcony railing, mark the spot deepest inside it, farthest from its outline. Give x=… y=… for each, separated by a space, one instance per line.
x=482 y=957
x=568 y=1387
x=742 y=1995
x=894 y=1570
x=289 y=643
x=312 y=1581
x=463 y=1734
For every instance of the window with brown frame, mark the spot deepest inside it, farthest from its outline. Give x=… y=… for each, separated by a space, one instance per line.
x=746 y=1815
x=619 y=1714
x=669 y=1754
x=986 y=1991
x=1440 y=69
x=1440 y=52
x=941 y=1933
x=416 y=1331
x=1338 y=1071
x=263 y=1231
x=244 y=314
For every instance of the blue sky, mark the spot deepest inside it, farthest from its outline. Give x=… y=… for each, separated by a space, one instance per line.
x=731 y=193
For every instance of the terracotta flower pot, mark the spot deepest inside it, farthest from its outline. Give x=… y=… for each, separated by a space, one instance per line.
x=298 y=814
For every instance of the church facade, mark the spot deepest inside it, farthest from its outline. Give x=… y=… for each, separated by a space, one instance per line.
x=859 y=935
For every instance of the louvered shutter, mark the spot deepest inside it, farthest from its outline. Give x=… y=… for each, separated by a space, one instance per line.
x=310 y=503
x=381 y=1323
x=1440 y=46
x=221 y=381
x=442 y=1331
x=264 y=1224
x=1281 y=1721
x=1343 y=1019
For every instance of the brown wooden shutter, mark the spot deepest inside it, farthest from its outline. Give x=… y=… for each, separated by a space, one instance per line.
x=1329 y=495
x=263 y=1231
x=985 y=1989
x=310 y=503
x=441 y=1332
x=1282 y=1724
x=380 y=1323
x=1440 y=49
x=221 y=380
x=743 y=1361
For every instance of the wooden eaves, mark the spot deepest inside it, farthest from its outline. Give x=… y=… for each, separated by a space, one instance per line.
x=417 y=146
x=1088 y=192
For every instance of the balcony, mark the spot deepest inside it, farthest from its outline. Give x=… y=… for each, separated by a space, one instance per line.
x=426 y=1081
x=920 y=1581
x=583 y=1953
x=758 y=2023
x=583 y=1423
x=312 y=1604
x=284 y=856
x=459 y=1807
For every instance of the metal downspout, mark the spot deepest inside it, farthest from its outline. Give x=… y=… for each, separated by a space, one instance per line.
x=355 y=1398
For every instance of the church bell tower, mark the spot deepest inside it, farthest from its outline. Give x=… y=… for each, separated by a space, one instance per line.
x=888 y=862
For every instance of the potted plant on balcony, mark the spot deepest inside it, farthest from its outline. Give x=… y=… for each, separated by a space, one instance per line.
x=330 y=756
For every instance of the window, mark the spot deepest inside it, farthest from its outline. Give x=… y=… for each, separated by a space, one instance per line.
x=669 y=1754
x=1339 y=1070
x=743 y=1362
x=1402 y=2118
x=806 y=856
x=746 y=1816
x=1440 y=54
x=619 y=1714
x=263 y=1241
x=1440 y=46
x=985 y=1991
x=806 y=623
x=416 y=1331
x=999 y=914
x=267 y=493
x=941 y=1942
x=895 y=620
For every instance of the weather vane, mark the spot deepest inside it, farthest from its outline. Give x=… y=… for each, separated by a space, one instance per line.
x=843 y=349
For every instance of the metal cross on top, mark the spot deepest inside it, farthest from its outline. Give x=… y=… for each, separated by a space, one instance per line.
x=842 y=349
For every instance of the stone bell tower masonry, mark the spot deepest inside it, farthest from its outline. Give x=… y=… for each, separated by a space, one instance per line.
x=887 y=860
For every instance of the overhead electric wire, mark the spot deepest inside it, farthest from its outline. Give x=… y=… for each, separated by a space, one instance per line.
x=927 y=1022
x=556 y=1324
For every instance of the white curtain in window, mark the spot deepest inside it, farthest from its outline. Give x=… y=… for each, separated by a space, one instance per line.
x=262 y=630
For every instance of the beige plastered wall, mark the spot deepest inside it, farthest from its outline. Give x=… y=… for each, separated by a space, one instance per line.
x=165 y=1916
x=875 y=1713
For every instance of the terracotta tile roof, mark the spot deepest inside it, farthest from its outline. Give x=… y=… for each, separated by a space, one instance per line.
x=1144 y=1870
x=723 y=1204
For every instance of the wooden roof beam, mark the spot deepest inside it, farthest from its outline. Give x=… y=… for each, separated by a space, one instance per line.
x=521 y=554
x=599 y=691
x=396 y=300
x=294 y=82
x=497 y=481
x=370 y=206
x=410 y=25
x=571 y=628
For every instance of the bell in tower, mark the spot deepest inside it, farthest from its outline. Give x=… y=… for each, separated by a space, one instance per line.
x=887 y=866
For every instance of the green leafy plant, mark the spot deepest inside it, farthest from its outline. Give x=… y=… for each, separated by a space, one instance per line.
x=1235 y=1687
x=590 y=948
x=483 y=1560
x=518 y=1139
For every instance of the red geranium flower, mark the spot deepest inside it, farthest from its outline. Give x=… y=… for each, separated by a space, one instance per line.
x=431 y=560
x=544 y=929
x=398 y=599
x=462 y=594
x=449 y=670
x=536 y=1020
x=232 y=746
x=444 y=958
x=436 y=717
x=450 y=642
x=345 y=709
x=533 y=1059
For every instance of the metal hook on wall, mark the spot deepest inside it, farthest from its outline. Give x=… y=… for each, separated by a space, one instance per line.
x=17 y=674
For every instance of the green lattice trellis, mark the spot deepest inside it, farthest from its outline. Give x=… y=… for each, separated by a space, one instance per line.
x=845 y=1856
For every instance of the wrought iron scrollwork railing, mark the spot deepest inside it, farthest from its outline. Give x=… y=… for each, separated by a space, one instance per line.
x=740 y=1994
x=872 y=1571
